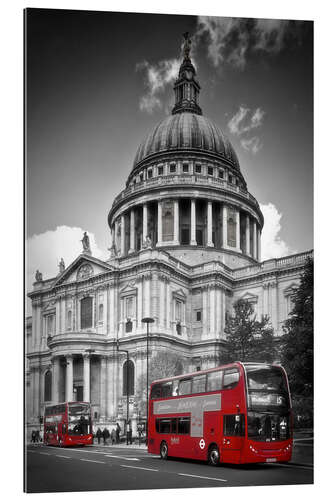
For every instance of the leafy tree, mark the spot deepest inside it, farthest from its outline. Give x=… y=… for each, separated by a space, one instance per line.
x=161 y=365
x=247 y=338
x=297 y=341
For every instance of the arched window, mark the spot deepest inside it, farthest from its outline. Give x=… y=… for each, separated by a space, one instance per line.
x=86 y=312
x=128 y=371
x=48 y=386
x=100 y=313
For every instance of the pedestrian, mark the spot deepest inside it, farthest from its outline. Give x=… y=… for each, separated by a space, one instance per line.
x=33 y=436
x=99 y=435
x=130 y=435
x=118 y=433
x=113 y=436
x=105 y=435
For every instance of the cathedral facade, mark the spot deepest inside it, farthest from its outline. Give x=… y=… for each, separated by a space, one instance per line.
x=186 y=243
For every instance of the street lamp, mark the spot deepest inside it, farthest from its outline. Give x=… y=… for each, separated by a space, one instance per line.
x=127 y=387
x=147 y=320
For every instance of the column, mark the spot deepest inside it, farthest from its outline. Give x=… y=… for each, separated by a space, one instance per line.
x=162 y=303
x=86 y=378
x=176 y=222
x=223 y=312
x=204 y=310
x=139 y=305
x=159 y=223
x=209 y=224
x=212 y=310
x=247 y=248
x=225 y=226
x=132 y=232
x=259 y=244
x=193 y=224
x=218 y=311
x=112 y=236
x=254 y=239
x=55 y=379
x=168 y=299
x=238 y=231
x=122 y=235
x=69 y=377
x=109 y=404
x=274 y=306
x=144 y=222
x=147 y=283
x=102 y=389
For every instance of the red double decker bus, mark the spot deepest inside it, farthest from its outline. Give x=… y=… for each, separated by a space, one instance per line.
x=238 y=413
x=68 y=424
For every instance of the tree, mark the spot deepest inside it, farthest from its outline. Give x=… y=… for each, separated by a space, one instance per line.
x=162 y=364
x=297 y=341
x=247 y=338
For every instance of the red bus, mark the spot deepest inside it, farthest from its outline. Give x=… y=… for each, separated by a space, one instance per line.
x=68 y=424
x=238 y=413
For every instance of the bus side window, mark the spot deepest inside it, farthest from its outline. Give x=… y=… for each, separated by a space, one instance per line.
x=185 y=386
x=167 y=389
x=175 y=388
x=231 y=378
x=156 y=391
x=184 y=425
x=214 y=381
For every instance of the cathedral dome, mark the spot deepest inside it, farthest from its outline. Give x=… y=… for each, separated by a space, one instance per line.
x=187 y=131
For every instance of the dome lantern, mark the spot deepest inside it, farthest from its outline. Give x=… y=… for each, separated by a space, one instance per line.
x=186 y=86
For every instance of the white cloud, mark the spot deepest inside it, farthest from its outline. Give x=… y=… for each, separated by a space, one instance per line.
x=272 y=246
x=44 y=251
x=253 y=144
x=245 y=121
x=231 y=40
x=156 y=78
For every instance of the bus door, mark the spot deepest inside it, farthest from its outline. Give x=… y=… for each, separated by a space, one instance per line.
x=233 y=436
x=212 y=430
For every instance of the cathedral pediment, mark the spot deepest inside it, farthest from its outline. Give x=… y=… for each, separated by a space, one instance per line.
x=291 y=289
x=250 y=297
x=85 y=266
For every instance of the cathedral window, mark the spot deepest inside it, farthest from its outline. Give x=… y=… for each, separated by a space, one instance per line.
x=141 y=177
x=160 y=170
x=198 y=168
x=172 y=168
x=69 y=319
x=128 y=378
x=231 y=230
x=198 y=315
x=50 y=324
x=86 y=312
x=185 y=168
x=100 y=313
x=210 y=171
x=128 y=325
x=230 y=179
x=48 y=386
x=221 y=174
x=150 y=173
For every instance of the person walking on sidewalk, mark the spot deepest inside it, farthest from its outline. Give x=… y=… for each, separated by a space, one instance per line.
x=113 y=436
x=99 y=435
x=106 y=434
x=118 y=433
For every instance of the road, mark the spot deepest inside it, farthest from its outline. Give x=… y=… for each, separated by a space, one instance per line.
x=114 y=468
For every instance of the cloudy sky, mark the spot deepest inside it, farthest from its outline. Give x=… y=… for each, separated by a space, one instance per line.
x=98 y=82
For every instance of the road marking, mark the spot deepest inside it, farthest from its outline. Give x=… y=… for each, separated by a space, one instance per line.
x=202 y=477
x=95 y=461
x=142 y=468
x=123 y=458
x=293 y=466
x=303 y=439
x=43 y=453
x=62 y=456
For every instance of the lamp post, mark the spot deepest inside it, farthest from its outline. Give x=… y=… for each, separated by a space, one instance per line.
x=147 y=320
x=127 y=388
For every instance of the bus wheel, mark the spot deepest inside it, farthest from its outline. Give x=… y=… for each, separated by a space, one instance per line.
x=164 y=450
x=213 y=455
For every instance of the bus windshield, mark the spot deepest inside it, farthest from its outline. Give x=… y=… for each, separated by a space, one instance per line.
x=268 y=403
x=79 y=421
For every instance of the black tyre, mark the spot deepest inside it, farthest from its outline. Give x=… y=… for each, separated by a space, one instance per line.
x=164 y=450
x=213 y=456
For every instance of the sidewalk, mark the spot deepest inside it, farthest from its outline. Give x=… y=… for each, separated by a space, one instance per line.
x=133 y=446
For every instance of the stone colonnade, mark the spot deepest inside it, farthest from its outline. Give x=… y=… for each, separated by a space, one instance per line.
x=247 y=236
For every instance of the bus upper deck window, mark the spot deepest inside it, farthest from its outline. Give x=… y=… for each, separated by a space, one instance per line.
x=231 y=378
